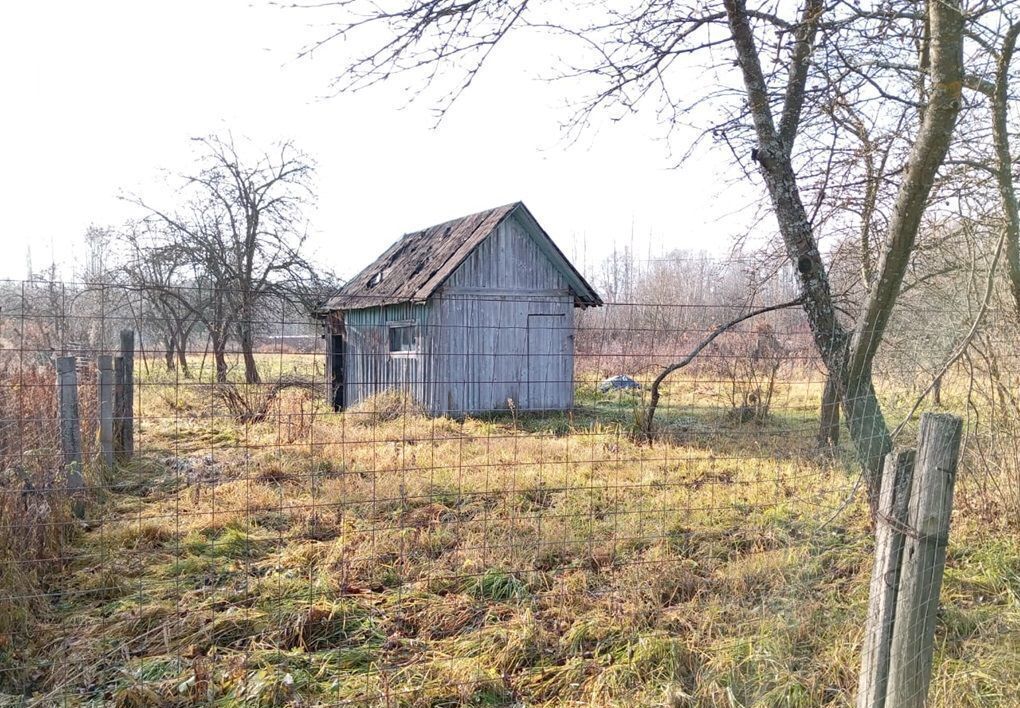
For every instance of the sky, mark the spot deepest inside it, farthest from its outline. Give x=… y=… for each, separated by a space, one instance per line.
x=100 y=100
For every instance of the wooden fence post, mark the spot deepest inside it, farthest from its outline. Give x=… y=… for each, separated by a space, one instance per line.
x=924 y=560
x=885 y=576
x=105 y=391
x=70 y=430
x=124 y=424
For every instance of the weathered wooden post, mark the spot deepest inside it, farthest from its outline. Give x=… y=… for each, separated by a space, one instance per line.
x=911 y=534
x=70 y=430
x=124 y=425
x=924 y=560
x=885 y=576
x=105 y=390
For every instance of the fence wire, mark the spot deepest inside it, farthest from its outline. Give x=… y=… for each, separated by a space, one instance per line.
x=390 y=507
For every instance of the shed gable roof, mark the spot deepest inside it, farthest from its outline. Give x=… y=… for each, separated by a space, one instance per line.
x=413 y=268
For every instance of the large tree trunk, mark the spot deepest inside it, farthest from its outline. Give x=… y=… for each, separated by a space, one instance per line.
x=849 y=358
x=872 y=439
x=926 y=156
x=247 y=339
x=828 y=416
x=863 y=413
x=868 y=430
x=182 y=354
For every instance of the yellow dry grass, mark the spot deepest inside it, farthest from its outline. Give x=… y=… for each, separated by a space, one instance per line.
x=396 y=559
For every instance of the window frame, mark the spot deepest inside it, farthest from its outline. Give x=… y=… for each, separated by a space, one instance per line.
x=415 y=342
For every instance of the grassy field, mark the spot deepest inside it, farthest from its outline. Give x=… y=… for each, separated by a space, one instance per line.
x=382 y=557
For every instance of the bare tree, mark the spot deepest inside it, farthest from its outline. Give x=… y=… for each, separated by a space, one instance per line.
x=653 y=402
x=241 y=231
x=160 y=275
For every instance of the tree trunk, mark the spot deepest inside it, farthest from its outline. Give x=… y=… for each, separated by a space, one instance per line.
x=868 y=430
x=1004 y=159
x=828 y=416
x=182 y=354
x=251 y=369
x=246 y=336
x=219 y=347
x=169 y=354
x=851 y=358
x=863 y=413
x=945 y=20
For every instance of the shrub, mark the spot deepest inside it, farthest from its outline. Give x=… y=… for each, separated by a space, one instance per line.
x=251 y=403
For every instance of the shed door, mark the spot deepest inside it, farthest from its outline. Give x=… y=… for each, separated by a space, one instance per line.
x=337 y=380
x=549 y=376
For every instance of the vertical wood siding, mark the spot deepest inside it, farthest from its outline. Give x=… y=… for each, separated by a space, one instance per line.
x=371 y=369
x=488 y=354
x=504 y=347
x=507 y=260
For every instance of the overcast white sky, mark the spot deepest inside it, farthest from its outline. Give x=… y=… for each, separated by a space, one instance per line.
x=98 y=97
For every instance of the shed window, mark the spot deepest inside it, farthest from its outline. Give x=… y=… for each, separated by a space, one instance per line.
x=403 y=339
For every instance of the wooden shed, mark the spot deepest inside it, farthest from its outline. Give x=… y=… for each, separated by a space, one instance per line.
x=465 y=316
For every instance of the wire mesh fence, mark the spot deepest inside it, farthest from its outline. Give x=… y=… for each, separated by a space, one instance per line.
x=466 y=506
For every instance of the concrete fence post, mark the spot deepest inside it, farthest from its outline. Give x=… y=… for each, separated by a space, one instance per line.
x=105 y=389
x=124 y=423
x=70 y=430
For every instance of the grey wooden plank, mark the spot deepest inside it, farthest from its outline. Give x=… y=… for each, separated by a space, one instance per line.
x=885 y=577
x=924 y=558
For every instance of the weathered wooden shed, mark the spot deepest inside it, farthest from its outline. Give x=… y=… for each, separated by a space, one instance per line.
x=466 y=316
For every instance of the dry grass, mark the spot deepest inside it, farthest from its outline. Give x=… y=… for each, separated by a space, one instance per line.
x=384 y=407
x=36 y=524
x=381 y=557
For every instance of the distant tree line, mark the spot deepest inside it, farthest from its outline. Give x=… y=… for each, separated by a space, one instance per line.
x=659 y=307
